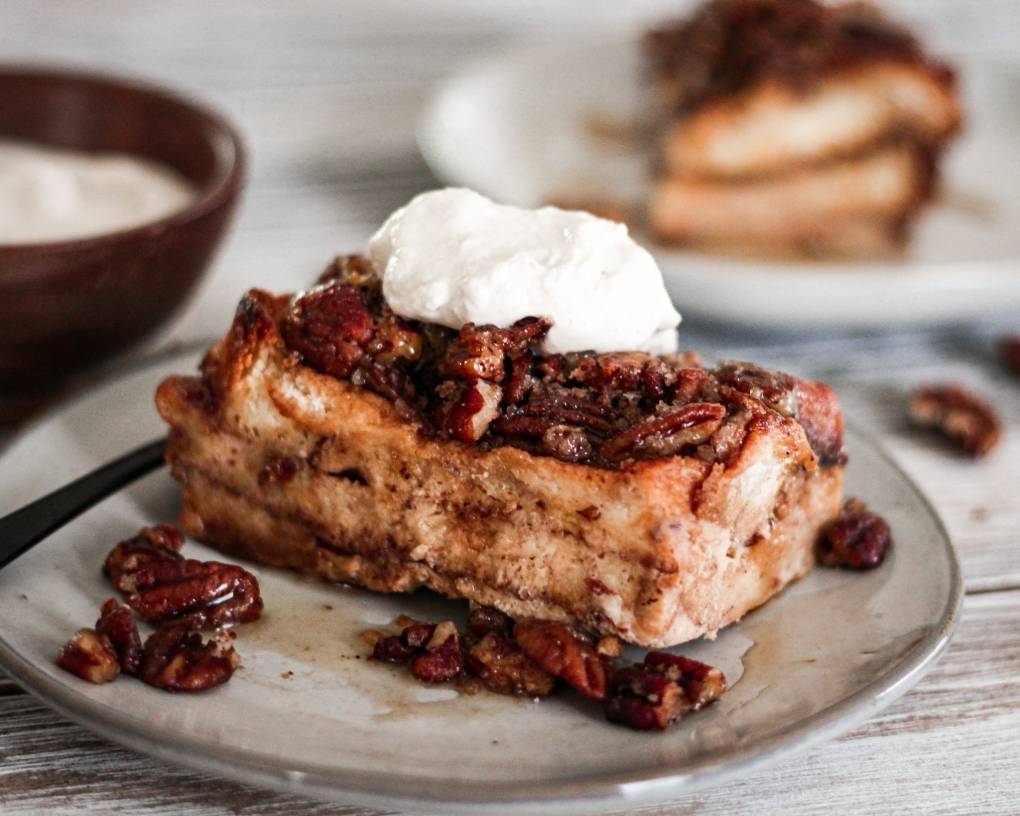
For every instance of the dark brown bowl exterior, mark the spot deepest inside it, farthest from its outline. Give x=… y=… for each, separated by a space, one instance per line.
x=64 y=306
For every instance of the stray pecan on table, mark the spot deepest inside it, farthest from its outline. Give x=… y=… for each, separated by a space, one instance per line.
x=858 y=539
x=959 y=415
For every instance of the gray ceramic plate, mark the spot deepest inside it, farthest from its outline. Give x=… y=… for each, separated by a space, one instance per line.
x=307 y=713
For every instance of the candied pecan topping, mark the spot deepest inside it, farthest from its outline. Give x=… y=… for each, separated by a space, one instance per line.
x=728 y=45
x=667 y=434
x=959 y=415
x=562 y=653
x=160 y=584
x=492 y=386
x=858 y=539
x=657 y=692
x=481 y=352
x=118 y=624
x=90 y=655
x=328 y=326
x=1010 y=348
x=176 y=658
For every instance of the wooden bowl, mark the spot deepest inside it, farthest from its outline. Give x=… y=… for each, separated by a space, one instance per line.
x=70 y=304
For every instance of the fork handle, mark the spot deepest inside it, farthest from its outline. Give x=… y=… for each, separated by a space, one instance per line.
x=24 y=528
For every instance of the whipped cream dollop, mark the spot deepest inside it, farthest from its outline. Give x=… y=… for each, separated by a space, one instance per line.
x=453 y=257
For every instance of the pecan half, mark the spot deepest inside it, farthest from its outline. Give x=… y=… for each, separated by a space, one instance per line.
x=562 y=653
x=176 y=658
x=208 y=593
x=858 y=539
x=959 y=415
x=118 y=624
x=160 y=584
x=90 y=656
x=662 y=689
x=666 y=435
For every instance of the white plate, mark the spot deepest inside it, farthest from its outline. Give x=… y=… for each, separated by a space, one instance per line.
x=519 y=130
x=809 y=665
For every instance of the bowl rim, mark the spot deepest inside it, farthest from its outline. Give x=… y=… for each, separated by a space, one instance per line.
x=226 y=182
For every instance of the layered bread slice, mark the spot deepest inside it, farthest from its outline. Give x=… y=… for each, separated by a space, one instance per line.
x=760 y=99
x=835 y=208
x=644 y=497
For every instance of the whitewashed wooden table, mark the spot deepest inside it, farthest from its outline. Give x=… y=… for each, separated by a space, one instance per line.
x=327 y=95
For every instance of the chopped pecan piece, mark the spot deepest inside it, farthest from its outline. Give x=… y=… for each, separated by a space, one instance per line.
x=567 y=443
x=702 y=684
x=176 y=658
x=502 y=667
x=666 y=435
x=91 y=656
x=959 y=415
x=353 y=270
x=481 y=352
x=521 y=379
x=858 y=539
x=562 y=653
x=442 y=659
x=659 y=691
x=393 y=649
x=118 y=624
x=329 y=326
x=1010 y=348
x=609 y=646
x=485 y=619
x=470 y=414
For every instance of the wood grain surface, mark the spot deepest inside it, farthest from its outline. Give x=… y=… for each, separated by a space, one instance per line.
x=327 y=94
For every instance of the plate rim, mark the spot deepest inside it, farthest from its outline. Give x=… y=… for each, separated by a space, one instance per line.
x=605 y=791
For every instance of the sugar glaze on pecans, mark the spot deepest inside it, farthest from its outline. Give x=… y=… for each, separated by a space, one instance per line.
x=492 y=386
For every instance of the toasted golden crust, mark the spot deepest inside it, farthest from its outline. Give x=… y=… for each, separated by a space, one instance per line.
x=291 y=467
x=867 y=197
x=773 y=127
